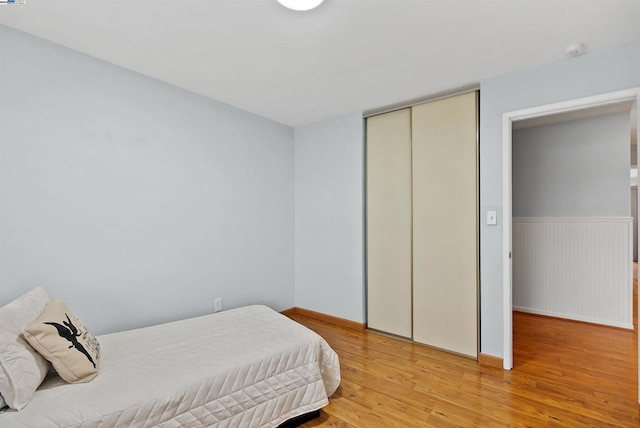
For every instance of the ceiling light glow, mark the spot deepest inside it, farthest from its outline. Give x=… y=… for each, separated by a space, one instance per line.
x=300 y=5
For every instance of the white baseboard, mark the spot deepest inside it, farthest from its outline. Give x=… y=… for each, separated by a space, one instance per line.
x=573 y=317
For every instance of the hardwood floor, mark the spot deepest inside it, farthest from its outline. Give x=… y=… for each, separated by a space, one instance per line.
x=566 y=374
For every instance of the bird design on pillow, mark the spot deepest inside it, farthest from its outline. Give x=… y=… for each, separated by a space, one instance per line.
x=71 y=333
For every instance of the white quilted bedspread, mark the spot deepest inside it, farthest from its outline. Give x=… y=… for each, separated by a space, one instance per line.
x=247 y=367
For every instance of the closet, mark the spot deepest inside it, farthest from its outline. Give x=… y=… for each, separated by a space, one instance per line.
x=422 y=223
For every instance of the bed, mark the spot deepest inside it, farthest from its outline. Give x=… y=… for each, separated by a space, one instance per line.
x=246 y=367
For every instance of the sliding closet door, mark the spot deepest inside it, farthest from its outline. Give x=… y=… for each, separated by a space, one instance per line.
x=389 y=222
x=445 y=303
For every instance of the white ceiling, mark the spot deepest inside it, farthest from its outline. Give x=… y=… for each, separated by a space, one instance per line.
x=346 y=56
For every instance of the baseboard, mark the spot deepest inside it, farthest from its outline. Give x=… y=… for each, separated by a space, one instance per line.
x=342 y=322
x=290 y=311
x=490 y=360
x=583 y=320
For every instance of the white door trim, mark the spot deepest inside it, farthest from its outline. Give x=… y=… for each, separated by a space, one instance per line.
x=507 y=130
x=637 y=106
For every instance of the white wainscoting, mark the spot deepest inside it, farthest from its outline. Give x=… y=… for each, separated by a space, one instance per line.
x=574 y=267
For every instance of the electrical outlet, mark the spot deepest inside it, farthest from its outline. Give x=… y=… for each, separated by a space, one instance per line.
x=217 y=304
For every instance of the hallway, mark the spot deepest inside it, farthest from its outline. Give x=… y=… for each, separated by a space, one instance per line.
x=594 y=365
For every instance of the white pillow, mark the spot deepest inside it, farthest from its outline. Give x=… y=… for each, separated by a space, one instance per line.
x=22 y=369
x=2 y=403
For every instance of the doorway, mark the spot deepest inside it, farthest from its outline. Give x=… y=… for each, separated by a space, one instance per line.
x=571 y=220
x=577 y=107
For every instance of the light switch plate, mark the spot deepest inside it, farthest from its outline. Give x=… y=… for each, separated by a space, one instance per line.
x=492 y=218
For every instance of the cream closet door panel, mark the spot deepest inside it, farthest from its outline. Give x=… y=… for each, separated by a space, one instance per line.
x=445 y=221
x=389 y=222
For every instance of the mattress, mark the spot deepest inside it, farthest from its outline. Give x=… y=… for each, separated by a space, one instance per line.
x=246 y=367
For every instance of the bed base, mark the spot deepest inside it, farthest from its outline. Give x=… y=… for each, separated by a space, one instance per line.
x=299 y=420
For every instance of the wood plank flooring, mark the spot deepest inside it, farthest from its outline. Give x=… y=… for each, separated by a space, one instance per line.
x=566 y=374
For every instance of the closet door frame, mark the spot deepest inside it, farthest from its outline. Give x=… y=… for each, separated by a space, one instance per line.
x=472 y=89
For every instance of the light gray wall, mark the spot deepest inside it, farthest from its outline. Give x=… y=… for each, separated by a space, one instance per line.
x=578 y=168
x=329 y=217
x=595 y=73
x=135 y=201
